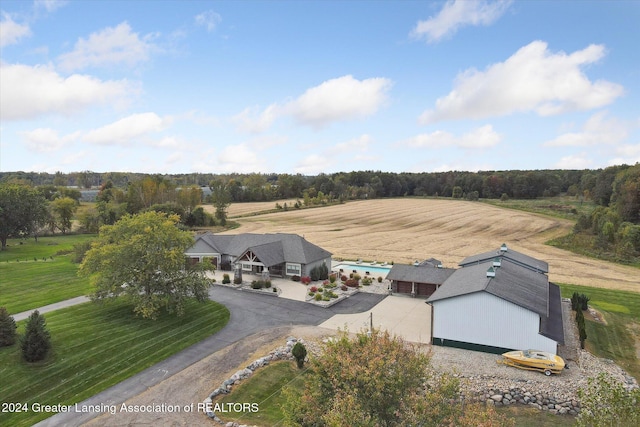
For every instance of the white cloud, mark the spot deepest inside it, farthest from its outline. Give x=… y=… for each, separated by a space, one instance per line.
x=342 y=98
x=356 y=149
x=110 y=46
x=28 y=92
x=460 y=13
x=579 y=161
x=533 y=79
x=208 y=19
x=597 y=130
x=628 y=154
x=255 y=121
x=11 y=32
x=47 y=140
x=482 y=137
x=50 y=5
x=241 y=158
x=127 y=130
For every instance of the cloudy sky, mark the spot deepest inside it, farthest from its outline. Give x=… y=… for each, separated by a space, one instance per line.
x=324 y=86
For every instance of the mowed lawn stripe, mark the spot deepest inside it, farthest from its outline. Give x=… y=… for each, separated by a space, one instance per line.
x=97 y=346
x=29 y=285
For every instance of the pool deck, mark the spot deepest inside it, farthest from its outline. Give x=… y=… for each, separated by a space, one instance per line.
x=349 y=266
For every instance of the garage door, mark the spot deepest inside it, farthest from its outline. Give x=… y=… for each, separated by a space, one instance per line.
x=425 y=289
x=404 y=287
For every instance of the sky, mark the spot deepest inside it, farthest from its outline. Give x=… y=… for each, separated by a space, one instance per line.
x=309 y=87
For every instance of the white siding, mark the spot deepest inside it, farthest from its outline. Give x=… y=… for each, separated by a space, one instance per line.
x=482 y=318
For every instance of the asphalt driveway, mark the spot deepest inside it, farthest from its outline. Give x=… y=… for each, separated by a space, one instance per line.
x=250 y=313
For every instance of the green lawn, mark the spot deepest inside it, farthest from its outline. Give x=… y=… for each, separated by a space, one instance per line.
x=617 y=339
x=94 y=347
x=36 y=274
x=264 y=388
x=566 y=207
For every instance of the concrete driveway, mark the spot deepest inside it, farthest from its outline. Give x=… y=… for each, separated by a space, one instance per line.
x=409 y=318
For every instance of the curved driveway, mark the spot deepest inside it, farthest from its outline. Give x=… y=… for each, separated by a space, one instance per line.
x=250 y=313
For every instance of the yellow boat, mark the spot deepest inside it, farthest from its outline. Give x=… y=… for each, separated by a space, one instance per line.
x=534 y=360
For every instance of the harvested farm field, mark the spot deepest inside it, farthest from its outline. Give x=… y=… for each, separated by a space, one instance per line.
x=408 y=229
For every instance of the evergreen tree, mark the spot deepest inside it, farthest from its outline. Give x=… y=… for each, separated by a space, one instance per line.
x=36 y=342
x=7 y=328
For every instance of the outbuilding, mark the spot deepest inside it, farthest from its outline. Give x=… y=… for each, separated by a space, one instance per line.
x=419 y=279
x=497 y=302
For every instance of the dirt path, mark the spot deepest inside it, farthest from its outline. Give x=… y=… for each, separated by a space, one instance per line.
x=403 y=230
x=193 y=385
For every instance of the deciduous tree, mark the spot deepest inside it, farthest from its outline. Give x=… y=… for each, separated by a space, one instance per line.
x=141 y=257
x=22 y=210
x=605 y=402
x=63 y=210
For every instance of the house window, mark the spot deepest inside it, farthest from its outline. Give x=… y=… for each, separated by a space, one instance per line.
x=293 y=269
x=246 y=267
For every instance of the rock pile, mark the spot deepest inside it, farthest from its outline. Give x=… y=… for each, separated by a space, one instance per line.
x=280 y=353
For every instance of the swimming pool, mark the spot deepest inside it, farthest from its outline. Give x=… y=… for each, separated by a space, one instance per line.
x=374 y=269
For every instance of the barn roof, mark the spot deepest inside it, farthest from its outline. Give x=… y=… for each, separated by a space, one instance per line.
x=509 y=255
x=423 y=273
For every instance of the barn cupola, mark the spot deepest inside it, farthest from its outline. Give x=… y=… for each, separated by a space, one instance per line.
x=504 y=248
x=497 y=262
x=416 y=263
x=491 y=272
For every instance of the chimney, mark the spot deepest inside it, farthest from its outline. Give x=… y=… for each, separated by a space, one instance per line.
x=497 y=262
x=491 y=272
x=503 y=248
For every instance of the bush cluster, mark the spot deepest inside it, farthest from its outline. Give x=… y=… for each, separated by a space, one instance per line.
x=295 y=278
x=320 y=272
x=259 y=284
x=579 y=301
x=226 y=279
x=352 y=283
x=305 y=280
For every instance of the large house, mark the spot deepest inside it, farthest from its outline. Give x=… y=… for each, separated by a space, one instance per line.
x=498 y=301
x=282 y=254
x=420 y=279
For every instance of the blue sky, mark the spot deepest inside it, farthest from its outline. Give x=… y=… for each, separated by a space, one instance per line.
x=324 y=86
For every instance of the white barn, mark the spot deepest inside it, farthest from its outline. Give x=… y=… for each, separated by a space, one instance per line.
x=497 y=302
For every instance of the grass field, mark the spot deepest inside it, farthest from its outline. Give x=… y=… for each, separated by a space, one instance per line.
x=36 y=274
x=95 y=347
x=565 y=207
x=265 y=389
x=619 y=339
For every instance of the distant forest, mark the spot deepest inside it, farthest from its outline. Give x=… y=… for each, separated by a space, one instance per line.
x=611 y=230
x=597 y=185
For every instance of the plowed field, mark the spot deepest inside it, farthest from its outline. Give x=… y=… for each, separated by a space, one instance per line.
x=405 y=230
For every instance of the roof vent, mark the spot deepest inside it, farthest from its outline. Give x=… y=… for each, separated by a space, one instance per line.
x=497 y=262
x=503 y=248
x=416 y=263
x=491 y=272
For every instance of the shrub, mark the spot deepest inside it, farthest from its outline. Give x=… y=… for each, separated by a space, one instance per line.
x=332 y=278
x=299 y=351
x=267 y=284
x=275 y=289
x=313 y=289
x=319 y=272
x=379 y=279
x=311 y=294
x=305 y=280
x=225 y=278
x=295 y=278
x=237 y=280
x=36 y=341
x=344 y=287
x=356 y=276
x=318 y=296
x=257 y=284
x=352 y=283
x=343 y=278
x=7 y=328
x=79 y=249
x=366 y=281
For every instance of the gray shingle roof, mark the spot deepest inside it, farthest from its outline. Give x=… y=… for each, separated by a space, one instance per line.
x=552 y=326
x=419 y=274
x=273 y=247
x=512 y=282
x=510 y=255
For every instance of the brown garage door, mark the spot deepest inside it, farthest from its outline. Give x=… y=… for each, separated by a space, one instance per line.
x=425 y=289
x=404 y=287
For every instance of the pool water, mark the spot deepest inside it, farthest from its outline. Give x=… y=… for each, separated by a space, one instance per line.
x=348 y=268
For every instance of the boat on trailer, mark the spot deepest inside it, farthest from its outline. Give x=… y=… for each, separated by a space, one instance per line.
x=534 y=360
